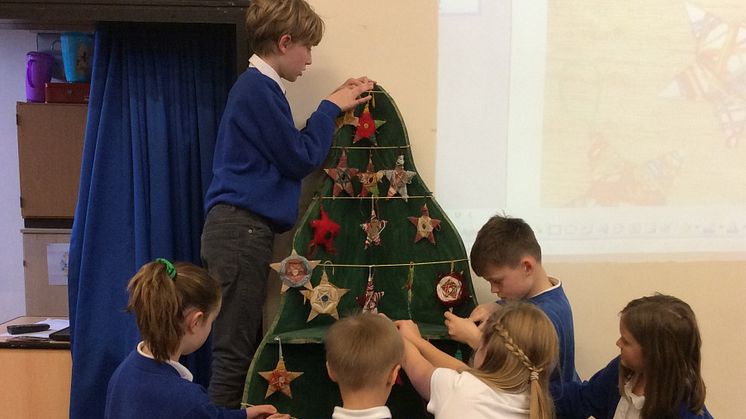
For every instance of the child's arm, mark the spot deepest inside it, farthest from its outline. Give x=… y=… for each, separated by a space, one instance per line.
x=439 y=359
x=347 y=95
x=418 y=369
x=483 y=311
x=463 y=330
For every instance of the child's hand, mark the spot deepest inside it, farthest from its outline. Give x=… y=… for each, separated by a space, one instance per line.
x=408 y=329
x=463 y=330
x=347 y=95
x=264 y=411
x=483 y=311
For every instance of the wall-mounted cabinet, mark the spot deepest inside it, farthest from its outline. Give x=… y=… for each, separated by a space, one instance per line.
x=50 y=149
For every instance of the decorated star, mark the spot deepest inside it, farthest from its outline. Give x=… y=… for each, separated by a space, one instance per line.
x=373 y=229
x=324 y=298
x=279 y=379
x=295 y=271
x=366 y=127
x=324 y=231
x=718 y=73
x=342 y=176
x=370 y=179
x=399 y=179
x=369 y=300
x=347 y=118
x=425 y=225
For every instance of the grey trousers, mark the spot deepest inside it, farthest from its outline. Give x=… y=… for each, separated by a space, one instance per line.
x=236 y=250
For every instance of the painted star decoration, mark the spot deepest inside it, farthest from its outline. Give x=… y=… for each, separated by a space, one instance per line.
x=366 y=126
x=279 y=379
x=718 y=73
x=342 y=176
x=324 y=231
x=370 y=179
x=324 y=298
x=399 y=179
x=295 y=271
x=373 y=229
x=425 y=225
x=369 y=300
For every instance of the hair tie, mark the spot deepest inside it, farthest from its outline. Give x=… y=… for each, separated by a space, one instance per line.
x=170 y=269
x=534 y=375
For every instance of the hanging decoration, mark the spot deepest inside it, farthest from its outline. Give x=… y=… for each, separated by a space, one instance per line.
x=409 y=286
x=373 y=229
x=399 y=179
x=370 y=179
x=369 y=300
x=324 y=231
x=450 y=288
x=366 y=126
x=342 y=176
x=279 y=378
x=324 y=298
x=347 y=118
x=425 y=225
x=295 y=271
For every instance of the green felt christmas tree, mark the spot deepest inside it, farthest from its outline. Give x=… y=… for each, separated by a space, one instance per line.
x=373 y=238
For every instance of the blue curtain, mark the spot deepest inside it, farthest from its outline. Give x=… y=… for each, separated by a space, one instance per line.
x=157 y=94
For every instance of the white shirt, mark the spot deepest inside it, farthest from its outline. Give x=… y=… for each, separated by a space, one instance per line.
x=380 y=412
x=630 y=405
x=182 y=370
x=456 y=395
x=266 y=69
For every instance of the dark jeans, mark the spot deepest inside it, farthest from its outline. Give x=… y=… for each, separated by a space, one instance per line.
x=236 y=250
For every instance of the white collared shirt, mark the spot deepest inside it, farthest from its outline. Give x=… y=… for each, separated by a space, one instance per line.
x=630 y=404
x=379 y=412
x=266 y=69
x=182 y=370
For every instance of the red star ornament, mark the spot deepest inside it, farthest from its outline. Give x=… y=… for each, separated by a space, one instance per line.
x=324 y=232
x=370 y=179
x=342 y=176
x=279 y=379
x=425 y=225
x=373 y=229
x=399 y=179
x=324 y=298
x=366 y=127
x=369 y=300
x=295 y=271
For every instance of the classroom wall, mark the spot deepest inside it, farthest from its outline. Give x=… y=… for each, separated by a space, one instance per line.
x=13 y=47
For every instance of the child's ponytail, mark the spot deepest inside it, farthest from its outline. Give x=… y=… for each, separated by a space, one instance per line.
x=160 y=293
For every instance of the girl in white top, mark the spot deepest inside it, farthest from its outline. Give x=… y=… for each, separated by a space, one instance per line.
x=517 y=353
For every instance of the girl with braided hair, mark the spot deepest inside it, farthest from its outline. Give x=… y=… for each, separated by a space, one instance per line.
x=175 y=305
x=517 y=353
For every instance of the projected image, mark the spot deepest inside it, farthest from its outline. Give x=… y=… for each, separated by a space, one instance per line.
x=644 y=104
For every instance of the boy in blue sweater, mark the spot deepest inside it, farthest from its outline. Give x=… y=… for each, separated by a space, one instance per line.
x=260 y=160
x=507 y=255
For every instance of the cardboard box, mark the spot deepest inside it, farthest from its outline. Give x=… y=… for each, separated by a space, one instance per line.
x=67 y=92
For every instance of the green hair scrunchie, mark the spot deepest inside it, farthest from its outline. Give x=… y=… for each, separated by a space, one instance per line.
x=170 y=269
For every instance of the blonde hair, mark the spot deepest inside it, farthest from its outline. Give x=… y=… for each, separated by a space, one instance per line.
x=268 y=20
x=666 y=329
x=520 y=351
x=362 y=349
x=159 y=303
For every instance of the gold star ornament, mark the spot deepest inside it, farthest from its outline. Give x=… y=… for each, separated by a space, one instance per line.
x=279 y=379
x=324 y=298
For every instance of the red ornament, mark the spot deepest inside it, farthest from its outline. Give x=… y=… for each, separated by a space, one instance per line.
x=366 y=127
x=425 y=225
x=324 y=232
x=342 y=176
x=450 y=289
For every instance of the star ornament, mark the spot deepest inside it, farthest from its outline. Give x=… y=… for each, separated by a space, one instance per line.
x=373 y=229
x=399 y=179
x=370 y=179
x=425 y=225
x=366 y=126
x=279 y=379
x=324 y=231
x=295 y=271
x=369 y=300
x=324 y=298
x=347 y=118
x=342 y=176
